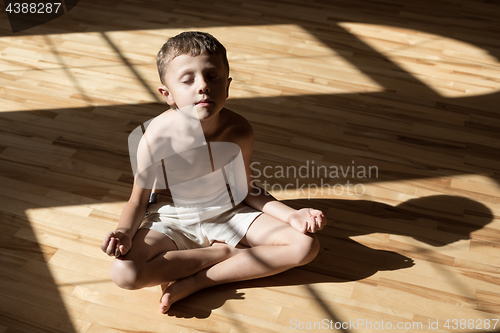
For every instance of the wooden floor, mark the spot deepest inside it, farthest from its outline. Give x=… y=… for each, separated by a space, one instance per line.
x=388 y=111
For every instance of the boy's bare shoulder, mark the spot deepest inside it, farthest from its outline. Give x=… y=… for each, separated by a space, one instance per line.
x=162 y=118
x=235 y=127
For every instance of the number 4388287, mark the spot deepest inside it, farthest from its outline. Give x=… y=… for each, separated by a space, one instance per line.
x=478 y=324
x=33 y=8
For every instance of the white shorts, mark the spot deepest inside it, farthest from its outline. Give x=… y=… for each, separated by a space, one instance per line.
x=229 y=227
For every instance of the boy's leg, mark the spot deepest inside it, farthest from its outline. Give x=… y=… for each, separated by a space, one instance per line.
x=275 y=246
x=154 y=259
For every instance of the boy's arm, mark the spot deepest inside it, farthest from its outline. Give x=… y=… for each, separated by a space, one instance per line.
x=134 y=211
x=119 y=242
x=266 y=203
x=257 y=197
x=304 y=220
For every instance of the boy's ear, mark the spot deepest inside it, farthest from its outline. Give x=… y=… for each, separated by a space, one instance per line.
x=229 y=79
x=166 y=95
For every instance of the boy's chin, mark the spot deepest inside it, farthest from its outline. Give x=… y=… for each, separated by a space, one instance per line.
x=206 y=113
x=198 y=111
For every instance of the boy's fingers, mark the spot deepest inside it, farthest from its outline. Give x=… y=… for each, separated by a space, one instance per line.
x=320 y=221
x=123 y=250
x=315 y=225
x=105 y=242
x=310 y=225
x=315 y=212
x=117 y=247
x=104 y=245
x=111 y=247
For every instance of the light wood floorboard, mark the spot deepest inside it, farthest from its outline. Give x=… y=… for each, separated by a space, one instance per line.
x=388 y=111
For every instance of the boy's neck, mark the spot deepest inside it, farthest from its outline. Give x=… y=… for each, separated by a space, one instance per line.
x=210 y=127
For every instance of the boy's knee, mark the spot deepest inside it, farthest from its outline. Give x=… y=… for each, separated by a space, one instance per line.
x=125 y=275
x=307 y=249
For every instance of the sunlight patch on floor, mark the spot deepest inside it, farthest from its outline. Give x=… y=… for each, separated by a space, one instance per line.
x=450 y=67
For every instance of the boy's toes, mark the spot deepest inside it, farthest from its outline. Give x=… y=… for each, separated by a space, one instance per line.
x=164 y=309
x=165 y=303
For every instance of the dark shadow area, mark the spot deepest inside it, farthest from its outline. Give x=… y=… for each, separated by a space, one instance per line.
x=29 y=299
x=381 y=136
x=436 y=221
x=462 y=22
x=201 y=304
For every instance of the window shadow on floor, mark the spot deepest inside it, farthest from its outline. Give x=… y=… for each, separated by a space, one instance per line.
x=433 y=222
x=381 y=138
x=97 y=168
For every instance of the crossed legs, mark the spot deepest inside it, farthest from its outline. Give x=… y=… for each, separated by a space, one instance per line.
x=154 y=260
x=272 y=246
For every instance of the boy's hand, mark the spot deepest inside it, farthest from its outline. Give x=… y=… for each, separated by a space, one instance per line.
x=116 y=243
x=307 y=220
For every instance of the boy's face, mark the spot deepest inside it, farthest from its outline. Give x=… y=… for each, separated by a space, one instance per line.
x=201 y=81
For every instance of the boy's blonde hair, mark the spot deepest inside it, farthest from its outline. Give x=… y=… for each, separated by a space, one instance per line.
x=194 y=43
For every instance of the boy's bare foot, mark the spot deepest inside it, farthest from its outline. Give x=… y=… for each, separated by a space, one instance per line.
x=166 y=299
x=175 y=291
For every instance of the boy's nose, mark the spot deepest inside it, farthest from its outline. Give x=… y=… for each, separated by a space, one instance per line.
x=203 y=88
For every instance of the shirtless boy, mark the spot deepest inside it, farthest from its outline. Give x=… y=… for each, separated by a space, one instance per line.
x=255 y=238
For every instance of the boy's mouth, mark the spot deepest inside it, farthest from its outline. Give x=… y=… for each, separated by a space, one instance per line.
x=204 y=102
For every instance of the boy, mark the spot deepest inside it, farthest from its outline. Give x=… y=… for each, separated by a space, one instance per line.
x=197 y=233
